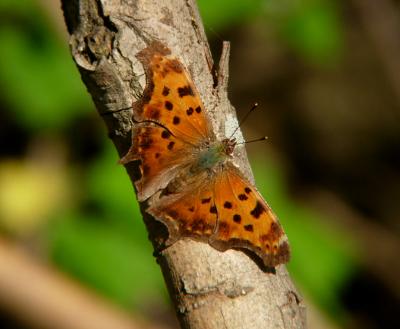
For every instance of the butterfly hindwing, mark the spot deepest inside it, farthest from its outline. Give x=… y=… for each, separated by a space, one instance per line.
x=228 y=212
x=245 y=220
x=191 y=213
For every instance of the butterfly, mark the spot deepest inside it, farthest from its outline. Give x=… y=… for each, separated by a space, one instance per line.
x=196 y=190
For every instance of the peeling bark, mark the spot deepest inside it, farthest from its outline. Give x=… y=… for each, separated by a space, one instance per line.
x=210 y=289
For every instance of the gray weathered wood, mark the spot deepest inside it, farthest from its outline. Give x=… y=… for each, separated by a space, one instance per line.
x=210 y=289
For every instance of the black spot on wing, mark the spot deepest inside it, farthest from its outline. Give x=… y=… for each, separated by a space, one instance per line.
x=165 y=91
x=170 y=145
x=228 y=205
x=237 y=218
x=242 y=197
x=249 y=228
x=185 y=91
x=258 y=210
x=165 y=134
x=168 y=105
x=176 y=120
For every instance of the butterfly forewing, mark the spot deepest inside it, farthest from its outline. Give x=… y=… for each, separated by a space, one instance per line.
x=172 y=122
x=161 y=156
x=172 y=100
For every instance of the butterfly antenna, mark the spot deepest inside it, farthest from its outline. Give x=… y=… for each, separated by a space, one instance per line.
x=244 y=118
x=254 y=140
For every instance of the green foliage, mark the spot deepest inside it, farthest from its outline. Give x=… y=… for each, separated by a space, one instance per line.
x=108 y=247
x=322 y=255
x=221 y=14
x=111 y=191
x=39 y=80
x=106 y=258
x=314 y=30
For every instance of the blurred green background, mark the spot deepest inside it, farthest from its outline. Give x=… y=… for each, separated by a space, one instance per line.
x=324 y=72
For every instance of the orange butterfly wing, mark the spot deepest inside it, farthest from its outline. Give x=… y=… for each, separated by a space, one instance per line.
x=245 y=220
x=191 y=213
x=171 y=120
x=161 y=157
x=170 y=97
x=226 y=211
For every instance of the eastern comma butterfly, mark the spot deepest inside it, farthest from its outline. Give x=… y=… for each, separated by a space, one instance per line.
x=203 y=195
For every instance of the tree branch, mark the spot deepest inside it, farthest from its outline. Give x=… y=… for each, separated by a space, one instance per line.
x=210 y=289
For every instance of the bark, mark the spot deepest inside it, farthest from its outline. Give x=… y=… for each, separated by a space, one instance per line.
x=210 y=289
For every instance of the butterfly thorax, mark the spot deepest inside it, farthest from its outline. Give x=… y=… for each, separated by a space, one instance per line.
x=208 y=159
x=213 y=154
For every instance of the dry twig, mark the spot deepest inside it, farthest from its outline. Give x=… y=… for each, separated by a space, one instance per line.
x=210 y=289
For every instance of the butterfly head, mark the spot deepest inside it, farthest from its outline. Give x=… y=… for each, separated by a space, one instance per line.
x=229 y=145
